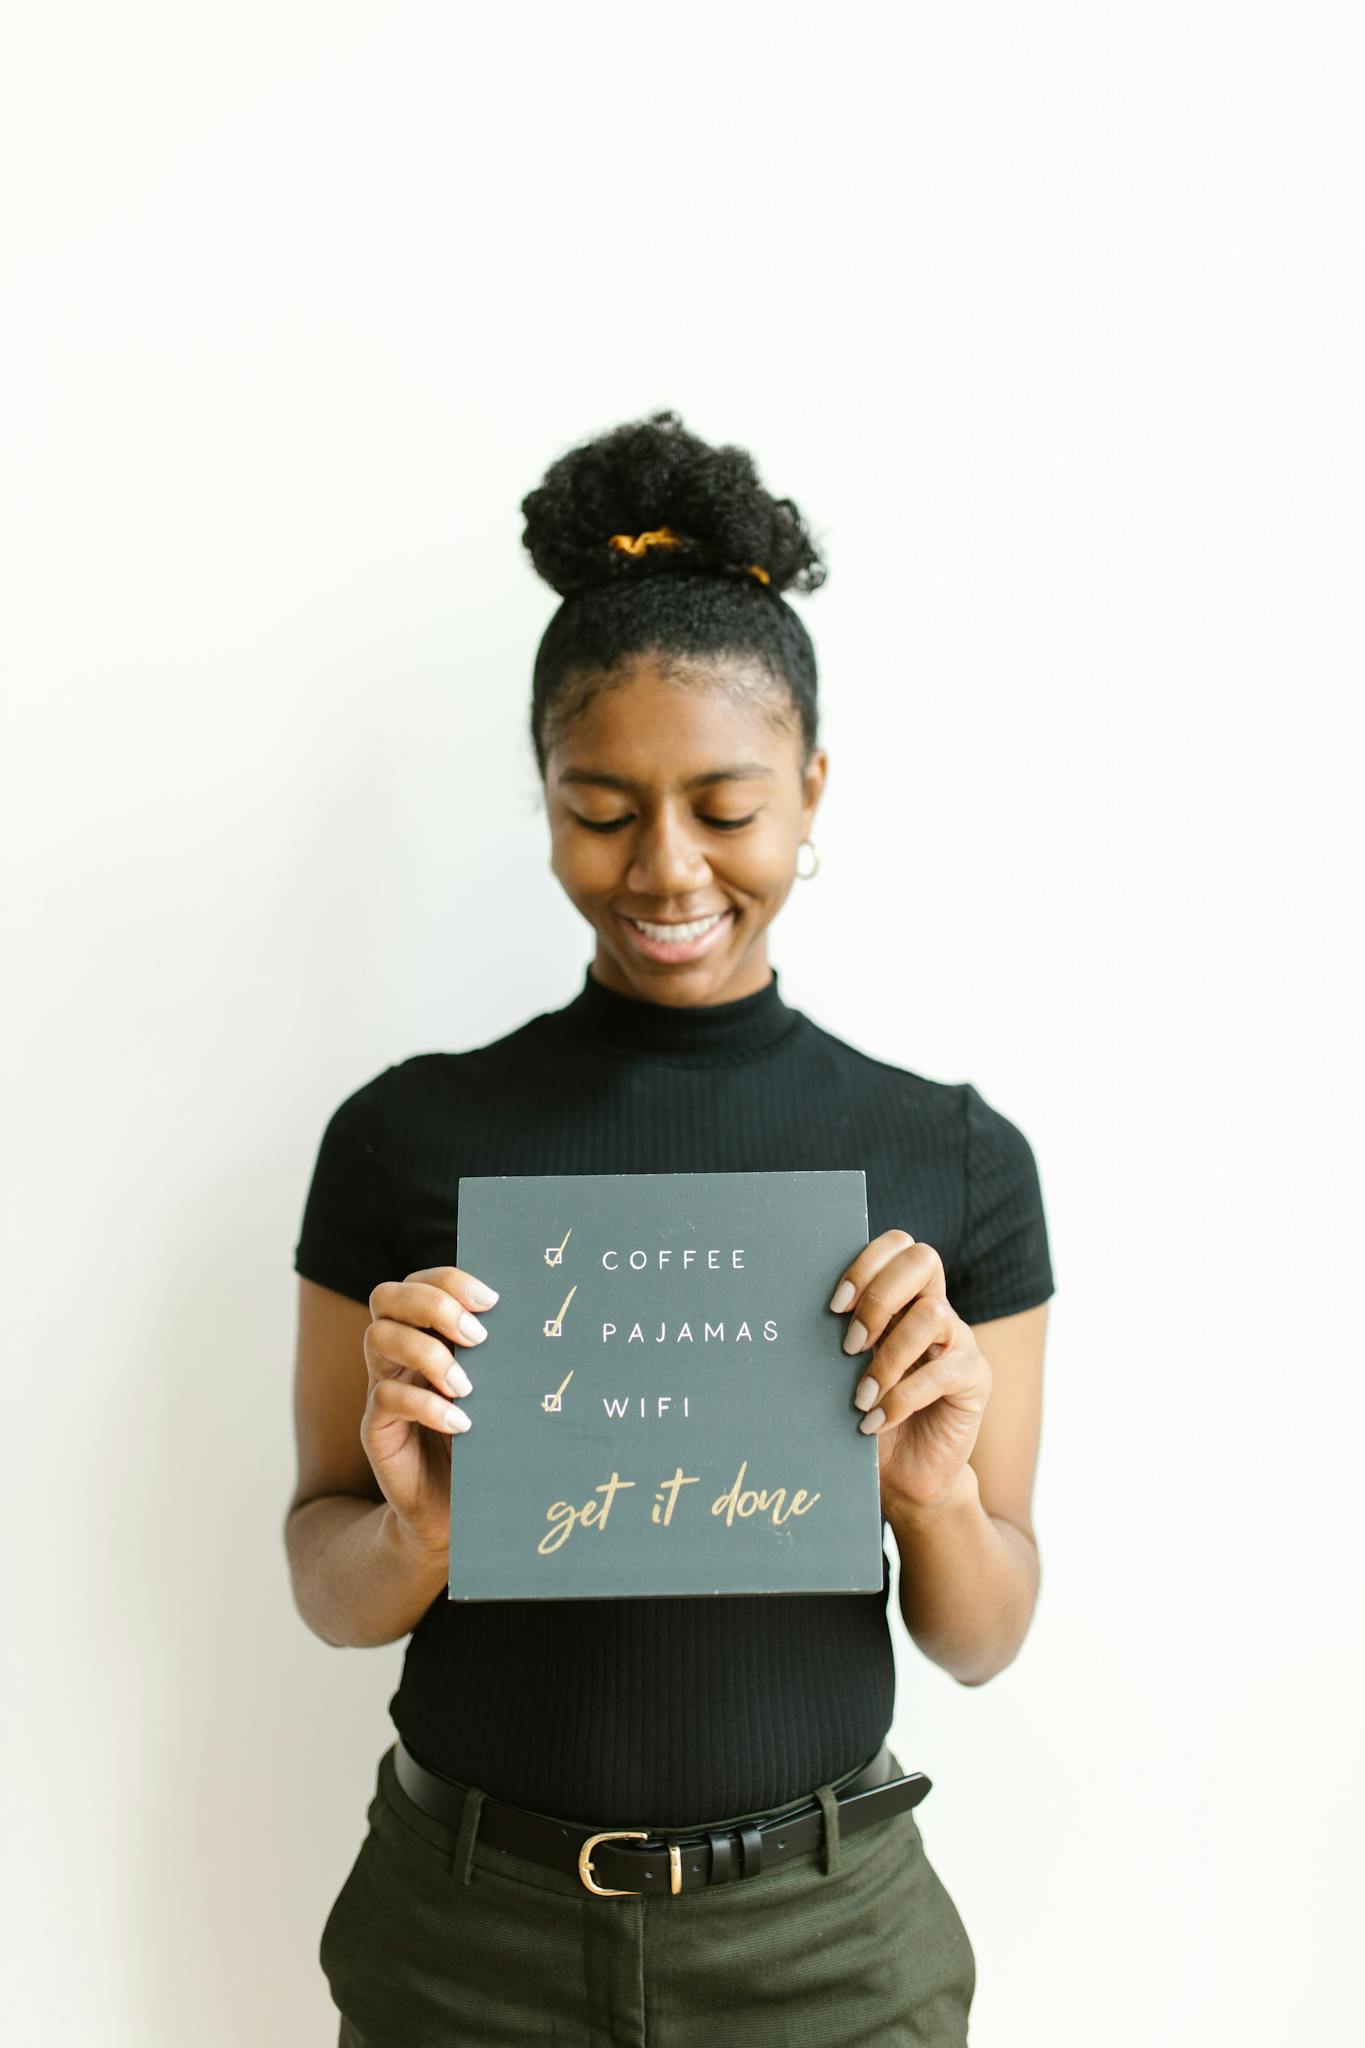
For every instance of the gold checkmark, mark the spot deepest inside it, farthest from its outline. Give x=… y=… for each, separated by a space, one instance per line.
x=558 y=1250
x=552 y=1328
x=553 y=1403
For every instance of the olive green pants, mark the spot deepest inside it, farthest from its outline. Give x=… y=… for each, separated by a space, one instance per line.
x=436 y=1939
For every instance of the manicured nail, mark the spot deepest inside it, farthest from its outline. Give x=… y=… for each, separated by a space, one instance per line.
x=457 y=1420
x=867 y=1392
x=870 y=1424
x=471 y=1327
x=843 y=1295
x=481 y=1296
x=459 y=1380
x=856 y=1337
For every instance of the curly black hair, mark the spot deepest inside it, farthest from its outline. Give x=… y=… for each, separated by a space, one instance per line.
x=696 y=599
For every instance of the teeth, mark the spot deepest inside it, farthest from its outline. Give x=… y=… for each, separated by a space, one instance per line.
x=677 y=931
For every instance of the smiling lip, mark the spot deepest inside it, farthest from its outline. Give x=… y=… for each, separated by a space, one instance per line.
x=676 y=949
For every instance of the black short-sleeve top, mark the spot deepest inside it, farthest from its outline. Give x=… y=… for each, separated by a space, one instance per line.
x=663 y=1712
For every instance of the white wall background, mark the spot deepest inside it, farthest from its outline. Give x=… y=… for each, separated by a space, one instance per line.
x=1051 y=320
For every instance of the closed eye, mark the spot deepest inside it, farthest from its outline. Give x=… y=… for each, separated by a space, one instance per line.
x=615 y=824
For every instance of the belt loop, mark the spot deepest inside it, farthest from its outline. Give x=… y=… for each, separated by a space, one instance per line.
x=463 y=1852
x=829 y=1848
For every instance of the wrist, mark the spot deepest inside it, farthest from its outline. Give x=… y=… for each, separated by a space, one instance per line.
x=431 y=1561
x=961 y=1497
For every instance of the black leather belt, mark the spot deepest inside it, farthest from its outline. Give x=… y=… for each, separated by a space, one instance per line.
x=615 y=1861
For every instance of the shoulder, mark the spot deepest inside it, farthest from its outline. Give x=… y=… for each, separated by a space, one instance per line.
x=866 y=1068
x=932 y=1106
x=958 y=1107
x=993 y=1143
x=411 y=1088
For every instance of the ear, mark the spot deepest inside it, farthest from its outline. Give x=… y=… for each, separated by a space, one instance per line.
x=812 y=786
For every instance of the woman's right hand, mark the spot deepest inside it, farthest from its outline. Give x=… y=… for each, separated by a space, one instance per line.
x=410 y=1416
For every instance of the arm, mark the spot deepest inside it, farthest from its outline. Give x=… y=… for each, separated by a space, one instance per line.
x=357 y=1580
x=969 y=1563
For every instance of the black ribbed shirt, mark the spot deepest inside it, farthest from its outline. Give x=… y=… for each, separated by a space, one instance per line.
x=662 y=1711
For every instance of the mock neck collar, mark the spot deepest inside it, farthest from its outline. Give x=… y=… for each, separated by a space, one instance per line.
x=742 y=1029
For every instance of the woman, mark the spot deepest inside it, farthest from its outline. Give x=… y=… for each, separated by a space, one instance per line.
x=673 y=718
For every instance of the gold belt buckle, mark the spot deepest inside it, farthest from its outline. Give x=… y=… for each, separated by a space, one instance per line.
x=607 y=1891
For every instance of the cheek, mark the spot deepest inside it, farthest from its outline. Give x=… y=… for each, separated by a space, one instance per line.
x=585 y=863
x=764 y=867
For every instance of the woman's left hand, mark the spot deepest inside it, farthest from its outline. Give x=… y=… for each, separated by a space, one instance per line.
x=926 y=1385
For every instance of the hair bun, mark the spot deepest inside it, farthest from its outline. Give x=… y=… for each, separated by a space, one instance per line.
x=653 y=473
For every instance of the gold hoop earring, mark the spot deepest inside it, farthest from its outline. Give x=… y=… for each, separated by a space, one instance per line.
x=805 y=876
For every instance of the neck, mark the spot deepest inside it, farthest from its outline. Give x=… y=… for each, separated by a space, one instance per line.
x=749 y=974
x=741 y=1028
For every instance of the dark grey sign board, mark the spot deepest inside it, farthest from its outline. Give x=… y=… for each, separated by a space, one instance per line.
x=662 y=1404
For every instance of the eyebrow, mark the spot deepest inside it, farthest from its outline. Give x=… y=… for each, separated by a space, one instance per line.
x=742 y=773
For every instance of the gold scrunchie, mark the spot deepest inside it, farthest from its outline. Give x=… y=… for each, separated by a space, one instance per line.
x=664 y=537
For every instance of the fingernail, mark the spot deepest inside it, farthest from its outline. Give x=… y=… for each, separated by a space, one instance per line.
x=471 y=1327
x=481 y=1296
x=458 y=1420
x=843 y=1295
x=870 y=1424
x=856 y=1338
x=458 y=1380
x=867 y=1392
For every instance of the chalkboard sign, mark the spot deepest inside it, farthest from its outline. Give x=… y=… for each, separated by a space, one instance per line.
x=662 y=1404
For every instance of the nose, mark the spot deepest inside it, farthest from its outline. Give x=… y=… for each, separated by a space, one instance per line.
x=668 y=860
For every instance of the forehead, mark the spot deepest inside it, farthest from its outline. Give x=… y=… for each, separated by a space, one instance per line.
x=678 y=727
